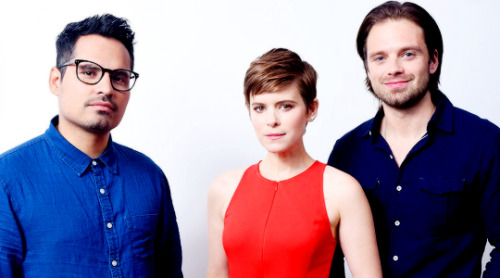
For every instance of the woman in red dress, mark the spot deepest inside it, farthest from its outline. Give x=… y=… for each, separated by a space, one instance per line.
x=283 y=216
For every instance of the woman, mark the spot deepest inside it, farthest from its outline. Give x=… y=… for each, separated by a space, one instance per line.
x=283 y=216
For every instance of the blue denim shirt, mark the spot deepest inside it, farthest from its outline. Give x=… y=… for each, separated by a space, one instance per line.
x=63 y=214
x=434 y=213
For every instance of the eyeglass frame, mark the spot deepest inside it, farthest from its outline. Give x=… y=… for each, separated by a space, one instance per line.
x=104 y=70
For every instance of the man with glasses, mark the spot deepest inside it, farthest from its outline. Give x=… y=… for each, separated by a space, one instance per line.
x=73 y=203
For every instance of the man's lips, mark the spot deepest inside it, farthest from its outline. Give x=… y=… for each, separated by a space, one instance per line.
x=103 y=105
x=396 y=84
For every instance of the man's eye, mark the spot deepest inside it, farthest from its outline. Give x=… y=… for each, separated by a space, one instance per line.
x=121 y=77
x=89 y=72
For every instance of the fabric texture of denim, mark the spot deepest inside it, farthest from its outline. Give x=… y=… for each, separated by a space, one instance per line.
x=63 y=214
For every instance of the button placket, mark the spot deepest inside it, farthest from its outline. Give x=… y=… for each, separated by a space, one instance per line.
x=110 y=232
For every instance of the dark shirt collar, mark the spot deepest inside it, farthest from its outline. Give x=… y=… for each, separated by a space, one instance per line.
x=442 y=118
x=73 y=157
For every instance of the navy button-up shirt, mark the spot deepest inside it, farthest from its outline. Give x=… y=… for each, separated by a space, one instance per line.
x=63 y=214
x=434 y=213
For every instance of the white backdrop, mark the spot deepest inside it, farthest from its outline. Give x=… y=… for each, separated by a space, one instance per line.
x=187 y=110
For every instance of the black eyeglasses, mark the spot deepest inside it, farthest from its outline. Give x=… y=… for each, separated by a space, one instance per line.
x=91 y=73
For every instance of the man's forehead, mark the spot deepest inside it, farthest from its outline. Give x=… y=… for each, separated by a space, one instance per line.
x=395 y=33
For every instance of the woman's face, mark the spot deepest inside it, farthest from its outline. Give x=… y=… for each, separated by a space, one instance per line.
x=279 y=118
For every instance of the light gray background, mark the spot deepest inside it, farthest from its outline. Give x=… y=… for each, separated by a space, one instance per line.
x=187 y=110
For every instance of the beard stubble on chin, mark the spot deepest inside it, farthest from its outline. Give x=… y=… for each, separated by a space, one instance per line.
x=103 y=124
x=407 y=98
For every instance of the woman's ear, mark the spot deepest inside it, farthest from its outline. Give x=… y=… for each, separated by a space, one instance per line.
x=313 y=110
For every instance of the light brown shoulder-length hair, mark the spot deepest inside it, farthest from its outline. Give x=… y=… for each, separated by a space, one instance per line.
x=393 y=10
x=277 y=69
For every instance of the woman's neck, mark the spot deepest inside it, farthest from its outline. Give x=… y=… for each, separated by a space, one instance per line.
x=282 y=166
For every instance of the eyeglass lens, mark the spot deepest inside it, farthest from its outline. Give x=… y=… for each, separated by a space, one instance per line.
x=92 y=73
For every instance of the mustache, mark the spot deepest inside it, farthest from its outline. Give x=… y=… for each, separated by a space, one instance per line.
x=102 y=98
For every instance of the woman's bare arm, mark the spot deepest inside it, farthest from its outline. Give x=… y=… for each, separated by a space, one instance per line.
x=219 y=196
x=356 y=233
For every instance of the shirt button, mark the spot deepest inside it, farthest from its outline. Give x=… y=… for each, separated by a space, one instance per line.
x=399 y=187
x=102 y=191
x=94 y=162
x=395 y=258
x=397 y=223
x=109 y=225
x=390 y=156
x=114 y=263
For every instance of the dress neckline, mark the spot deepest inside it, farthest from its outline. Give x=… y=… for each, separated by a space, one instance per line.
x=287 y=179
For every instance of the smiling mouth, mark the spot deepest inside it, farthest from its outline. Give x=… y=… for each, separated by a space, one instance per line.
x=396 y=84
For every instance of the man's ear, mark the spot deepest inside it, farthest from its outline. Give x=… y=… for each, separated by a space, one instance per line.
x=433 y=62
x=55 y=79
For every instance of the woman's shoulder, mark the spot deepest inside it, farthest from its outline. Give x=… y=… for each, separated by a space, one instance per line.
x=229 y=178
x=334 y=176
x=225 y=184
x=340 y=184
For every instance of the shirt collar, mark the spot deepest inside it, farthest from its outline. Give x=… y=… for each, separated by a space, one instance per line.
x=73 y=157
x=441 y=119
x=371 y=128
x=443 y=116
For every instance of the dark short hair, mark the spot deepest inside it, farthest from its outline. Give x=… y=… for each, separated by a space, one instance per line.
x=105 y=25
x=395 y=11
x=277 y=69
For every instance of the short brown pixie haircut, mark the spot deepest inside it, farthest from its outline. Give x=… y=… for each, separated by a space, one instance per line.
x=277 y=69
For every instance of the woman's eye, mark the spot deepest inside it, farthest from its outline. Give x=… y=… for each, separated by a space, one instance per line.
x=258 y=108
x=286 y=106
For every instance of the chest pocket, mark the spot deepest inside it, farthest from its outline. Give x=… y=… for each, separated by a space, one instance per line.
x=142 y=230
x=444 y=203
x=368 y=183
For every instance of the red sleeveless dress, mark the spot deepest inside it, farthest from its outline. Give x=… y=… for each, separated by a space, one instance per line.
x=279 y=229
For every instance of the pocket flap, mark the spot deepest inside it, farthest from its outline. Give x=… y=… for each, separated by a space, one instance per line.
x=441 y=185
x=368 y=183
